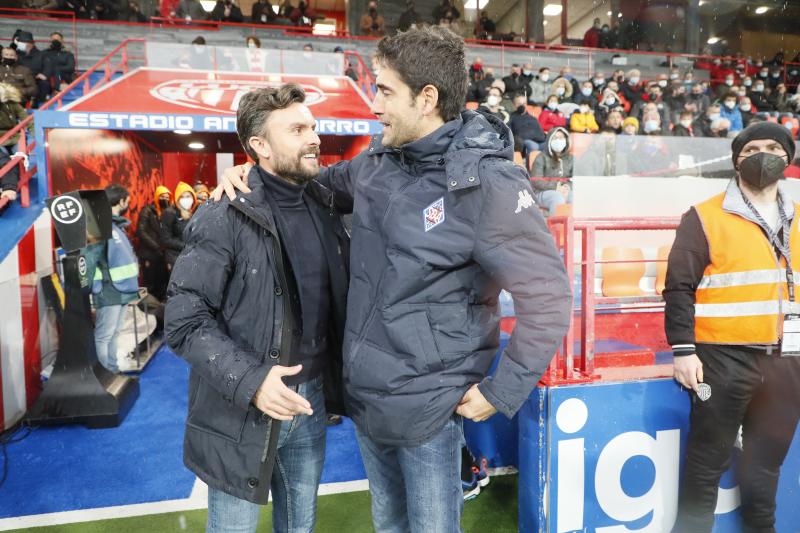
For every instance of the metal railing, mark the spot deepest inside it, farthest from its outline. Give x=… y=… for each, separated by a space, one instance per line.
x=108 y=66
x=567 y=366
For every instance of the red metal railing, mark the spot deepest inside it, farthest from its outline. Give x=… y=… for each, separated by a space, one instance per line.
x=567 y=366
x=366 y=81
x=108 y=67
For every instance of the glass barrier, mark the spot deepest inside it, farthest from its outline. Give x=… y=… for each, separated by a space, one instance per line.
x=241 y=59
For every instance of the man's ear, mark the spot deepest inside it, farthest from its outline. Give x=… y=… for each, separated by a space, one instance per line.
x=260 y=146
x=430 y=99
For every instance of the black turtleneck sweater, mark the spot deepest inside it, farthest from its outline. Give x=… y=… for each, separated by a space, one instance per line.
x=307 y=258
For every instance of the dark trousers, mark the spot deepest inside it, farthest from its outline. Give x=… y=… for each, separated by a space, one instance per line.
x=155 y=275
x=761 y=394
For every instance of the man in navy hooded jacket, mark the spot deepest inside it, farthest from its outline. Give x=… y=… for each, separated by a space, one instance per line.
x=442 y=220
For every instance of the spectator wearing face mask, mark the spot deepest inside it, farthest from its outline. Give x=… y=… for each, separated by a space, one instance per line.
x=192 y=10
x=655 y=97
x=583 y=121
x=527 y=75
x=685 y=126
x=34 y=59
x=16 y=75
x=515 y=81
x=566 y=74
x=555 y=165
x=720 y=128
x=60 y=61
x=586 y=95
x=757 y=96
x=485 y=27
x=725 y=87
x=632 y=88
x=479 y=87
x=551 y=117
x=201 y=192
x=262 y=13
x=11 y=114
x=151 y=251
x=698 y=96
x=730 y=111
x=775 y=77
x=114 y=270
x=493 y=105
x=651 y=121
x=598 y=82
x=702 y=125
x=174 y=220
x=562 y=89
x=591 y=39
x=746 y=109
x=540 y=87
x=226 y=11
x=609 y=101
x=528 y=133
x=630 y=126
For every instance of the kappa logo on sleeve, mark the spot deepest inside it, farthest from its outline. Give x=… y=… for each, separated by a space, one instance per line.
x=524 y=201
x=434 y=214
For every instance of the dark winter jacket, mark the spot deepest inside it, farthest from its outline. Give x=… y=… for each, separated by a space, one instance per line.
x=439 y=227
x=35 y=60
x=262 y=13
x=218 y=13
x=231 y=315
x=172 y=228
x=525 y=126
x=549 y=164
x=61 y=65
x=149 y=232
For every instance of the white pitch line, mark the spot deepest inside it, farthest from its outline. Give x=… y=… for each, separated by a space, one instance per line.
x=198 y=499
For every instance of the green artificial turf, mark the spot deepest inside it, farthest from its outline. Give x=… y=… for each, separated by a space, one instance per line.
x=495 y=510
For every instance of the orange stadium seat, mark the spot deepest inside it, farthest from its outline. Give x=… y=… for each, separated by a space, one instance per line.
x=795 y=123
x=518 y=160
x=472 y=105
x=661 y=268
x=534 y=110
x=564 y=210
x=531 y=158
x=622 y=279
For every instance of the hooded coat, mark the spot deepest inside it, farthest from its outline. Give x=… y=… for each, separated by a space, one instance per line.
x=172 y=225
x=149 y=228
x=440 y=225
x=550 y=164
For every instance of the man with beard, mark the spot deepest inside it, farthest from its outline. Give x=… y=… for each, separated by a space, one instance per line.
x=257 y=306
x=732 y=319
x=442 y=220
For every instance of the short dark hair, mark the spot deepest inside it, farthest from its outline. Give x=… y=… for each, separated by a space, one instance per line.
x=254 y=39
x=731 y=95
x=256 y=106
x=199 y=40
x=116 y=193
x=57 y=33
x=444 y=64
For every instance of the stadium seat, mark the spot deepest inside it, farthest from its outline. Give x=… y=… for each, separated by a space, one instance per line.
x=472 y=105
x=795 y=125
x=531 y=158
x=518 y=160
x=622 y=279
x=564 y=210
x=661 y=268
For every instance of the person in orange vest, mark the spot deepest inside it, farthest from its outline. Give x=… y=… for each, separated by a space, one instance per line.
x=732 y=317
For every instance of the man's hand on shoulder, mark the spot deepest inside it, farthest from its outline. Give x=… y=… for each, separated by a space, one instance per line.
x=233 y=179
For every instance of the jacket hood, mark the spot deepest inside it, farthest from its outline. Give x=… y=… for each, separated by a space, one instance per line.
x=562 y=82
x=550 y=140
x=9 y=93
x=159 y=191
x=182 y=188
x=463 y=142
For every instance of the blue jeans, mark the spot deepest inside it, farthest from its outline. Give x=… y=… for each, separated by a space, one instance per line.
x=295 y=477
x=108 y=322
x=552 y=199
x=416 y=489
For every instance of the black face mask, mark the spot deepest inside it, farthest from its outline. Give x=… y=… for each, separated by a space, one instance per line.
x=163 y=204
x=56 y=45
x=762 y=169
x=9 y=61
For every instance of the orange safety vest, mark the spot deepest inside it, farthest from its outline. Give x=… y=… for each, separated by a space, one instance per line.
x=743 y=294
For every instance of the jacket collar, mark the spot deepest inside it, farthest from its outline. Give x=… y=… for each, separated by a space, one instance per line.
x=734 y=202
x=255 y=204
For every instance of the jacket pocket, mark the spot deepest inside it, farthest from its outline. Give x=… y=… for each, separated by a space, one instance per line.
x=450 y=328
x=212 y=414
x=430 y=348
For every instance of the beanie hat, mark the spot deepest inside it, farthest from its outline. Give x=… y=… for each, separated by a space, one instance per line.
x=760 y=131
x=630 y=121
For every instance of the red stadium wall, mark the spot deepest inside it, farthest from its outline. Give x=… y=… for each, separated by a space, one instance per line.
x=191 y=168
x=93 y=159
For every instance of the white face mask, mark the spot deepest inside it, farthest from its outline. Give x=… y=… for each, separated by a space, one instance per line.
x=251 y=44
x=633 y=81
x=552 y=106
x=186 y=203
x=560 y=91
x=729 y=83
x=748 y=83
x=650 y=125
x=558 y=145
x=662 y=83
x=544 y=77
x=745 y=107
x=713 y=116
x=758 y=88
x=673 y=76
x=526 y=72
x=22 y=47
x=584 y=109
x=610 y=101
x=730 y=105
x=586 y=91
x=493 y=100
x=598 y=82
x=686 y=123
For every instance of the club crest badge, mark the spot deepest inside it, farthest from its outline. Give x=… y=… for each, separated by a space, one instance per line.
x=434 y=214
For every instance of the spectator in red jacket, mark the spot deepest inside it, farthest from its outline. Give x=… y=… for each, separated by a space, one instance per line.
x=551 y=116
x=591 y=39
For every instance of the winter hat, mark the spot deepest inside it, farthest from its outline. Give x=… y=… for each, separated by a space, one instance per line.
x=760 y=131
x=630 y=121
